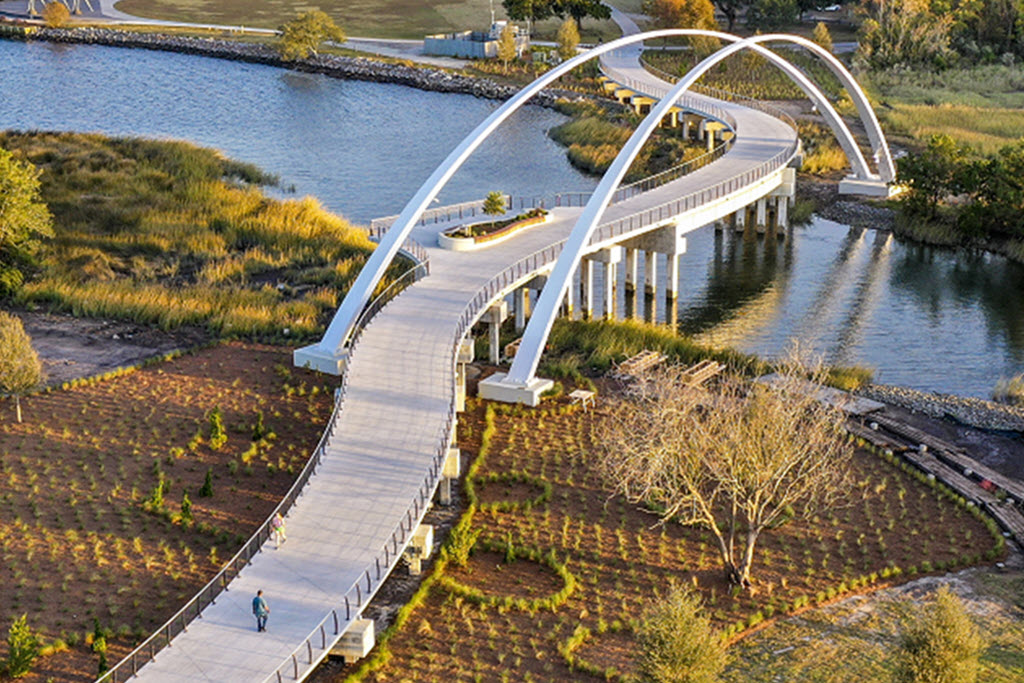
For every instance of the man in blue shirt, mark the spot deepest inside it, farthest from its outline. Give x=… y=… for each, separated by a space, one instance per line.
x=260 y=609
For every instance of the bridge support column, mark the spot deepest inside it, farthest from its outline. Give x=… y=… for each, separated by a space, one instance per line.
x=449 y=471
x=496 y=315
x=572 y=293
x=632 y=271
x=650 y=272
x=521 y=303
x=762 y=214
x=587 y=285
x=609 y=256
x=740 y=218
x=467 y=351
x=610 y=280
x=632 y=268
x=651 y=285
x=782 y=212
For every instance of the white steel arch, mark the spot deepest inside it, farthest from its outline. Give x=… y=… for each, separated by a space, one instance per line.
x=536 y=333
x=331 y=346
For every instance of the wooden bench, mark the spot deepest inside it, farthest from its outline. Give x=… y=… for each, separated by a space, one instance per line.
x=701 y=372
x=638 y=364
x=582 y=396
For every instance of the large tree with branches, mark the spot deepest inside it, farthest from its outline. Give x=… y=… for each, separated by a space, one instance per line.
x=736 y=459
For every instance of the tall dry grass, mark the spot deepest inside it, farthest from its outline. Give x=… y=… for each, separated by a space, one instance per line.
x=171 y=234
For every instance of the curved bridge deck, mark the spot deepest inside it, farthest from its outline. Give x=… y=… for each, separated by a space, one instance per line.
x=396 y=414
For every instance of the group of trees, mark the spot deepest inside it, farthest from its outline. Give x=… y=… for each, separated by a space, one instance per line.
x=937 y=641
x=924 y=33
x=766 y=15
x=532 y=11
x=981 y=196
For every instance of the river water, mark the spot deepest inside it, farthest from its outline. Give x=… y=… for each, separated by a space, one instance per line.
x=924 y=318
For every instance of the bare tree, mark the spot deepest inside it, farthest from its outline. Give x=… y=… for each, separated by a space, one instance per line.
x=736 y=459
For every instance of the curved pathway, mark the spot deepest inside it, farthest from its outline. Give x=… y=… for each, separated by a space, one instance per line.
x=396 y=419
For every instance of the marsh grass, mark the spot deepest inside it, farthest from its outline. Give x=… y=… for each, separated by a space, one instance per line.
x=1010 y=391
x=986 y=129
x=171 y=234
x=597 y=345
x=596 y=134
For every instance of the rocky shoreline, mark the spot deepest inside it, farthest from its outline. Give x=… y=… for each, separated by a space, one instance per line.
x=352 y=68
x=974 y=412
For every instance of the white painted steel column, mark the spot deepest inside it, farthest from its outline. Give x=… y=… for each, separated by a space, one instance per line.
x=651 y=273
x=521 y=302
x=587 y=284
x=782 y=212
x=610 y=280
x=632 y=268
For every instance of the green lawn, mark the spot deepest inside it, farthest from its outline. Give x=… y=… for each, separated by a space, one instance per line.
x=374 y=18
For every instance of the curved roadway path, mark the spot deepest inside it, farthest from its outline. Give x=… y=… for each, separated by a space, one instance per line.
x=396 y=406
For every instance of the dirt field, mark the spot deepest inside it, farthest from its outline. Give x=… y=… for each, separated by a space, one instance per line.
x=85 y=535
x=72 y=348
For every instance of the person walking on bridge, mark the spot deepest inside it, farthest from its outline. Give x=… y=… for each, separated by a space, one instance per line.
x=260 y=610
x=277 y=525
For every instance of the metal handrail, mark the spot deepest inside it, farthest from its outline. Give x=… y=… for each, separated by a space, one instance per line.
x=409 y=246
x=438 y=214
x=668 y=175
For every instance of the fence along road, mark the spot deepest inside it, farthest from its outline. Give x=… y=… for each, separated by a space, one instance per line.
x=374 y=475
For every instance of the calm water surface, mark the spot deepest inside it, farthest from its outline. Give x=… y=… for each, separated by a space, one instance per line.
x=924 y=318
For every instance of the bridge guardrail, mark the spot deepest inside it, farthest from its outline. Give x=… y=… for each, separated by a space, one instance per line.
x=317 y=644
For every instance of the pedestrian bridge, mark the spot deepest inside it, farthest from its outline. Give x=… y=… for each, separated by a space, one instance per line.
x=388 y=447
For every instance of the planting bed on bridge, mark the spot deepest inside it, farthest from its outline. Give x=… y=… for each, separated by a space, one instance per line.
x=890 y=527
x=86 y=536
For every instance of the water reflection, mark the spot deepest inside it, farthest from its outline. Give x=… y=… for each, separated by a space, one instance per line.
x=927 y=318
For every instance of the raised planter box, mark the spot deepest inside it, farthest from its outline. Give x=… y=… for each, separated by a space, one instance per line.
x=446 y=240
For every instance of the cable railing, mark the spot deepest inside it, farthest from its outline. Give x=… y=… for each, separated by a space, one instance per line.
x=668 y=175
